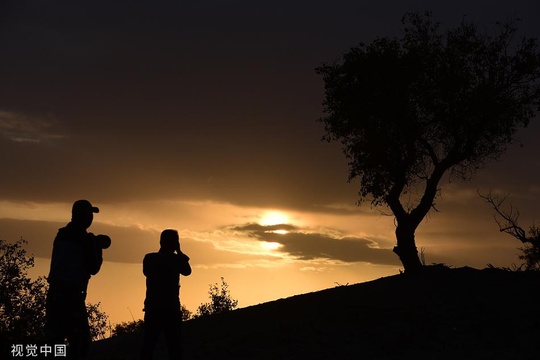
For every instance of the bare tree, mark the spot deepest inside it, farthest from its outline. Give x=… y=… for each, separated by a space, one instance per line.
x=507 y=220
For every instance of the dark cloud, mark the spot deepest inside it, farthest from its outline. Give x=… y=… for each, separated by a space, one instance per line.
x=306 y=245
x=201 y=100
x=19 y=128
x=39 y=234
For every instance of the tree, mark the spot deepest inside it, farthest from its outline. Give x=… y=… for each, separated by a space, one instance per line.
x=530 y=253
x=411 y=110
x=220 y=301
x=22 y=300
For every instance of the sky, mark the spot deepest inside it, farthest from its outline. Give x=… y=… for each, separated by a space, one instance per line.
x=203 y=117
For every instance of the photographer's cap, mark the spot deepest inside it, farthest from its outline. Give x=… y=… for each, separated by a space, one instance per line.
x=83 y=207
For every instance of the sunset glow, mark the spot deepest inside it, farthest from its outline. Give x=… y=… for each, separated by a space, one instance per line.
x=271 y=245
x=273 y=218
x=208 y=124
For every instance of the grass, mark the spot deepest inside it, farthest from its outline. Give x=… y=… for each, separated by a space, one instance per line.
x=443 y=313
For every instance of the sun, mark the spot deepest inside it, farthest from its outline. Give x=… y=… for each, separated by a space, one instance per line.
x=270 y=218
x=271 y=245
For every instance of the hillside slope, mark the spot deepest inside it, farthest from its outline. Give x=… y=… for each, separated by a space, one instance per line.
x=442 y=314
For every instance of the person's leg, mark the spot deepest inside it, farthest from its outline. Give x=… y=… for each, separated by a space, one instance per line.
x=172 y=328
x=56 y=316
x=152 y=328
x=79 y=337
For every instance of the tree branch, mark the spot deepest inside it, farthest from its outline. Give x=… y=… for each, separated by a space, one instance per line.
x=393 y=202
x=510 y=224
x=430 y=192
x=430 y=151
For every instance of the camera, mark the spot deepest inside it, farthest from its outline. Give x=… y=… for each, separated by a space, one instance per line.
x=103 y=241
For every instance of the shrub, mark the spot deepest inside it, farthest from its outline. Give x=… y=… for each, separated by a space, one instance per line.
x=220 y=301
x=186 y=314
x=22 y=300
x=128 y=327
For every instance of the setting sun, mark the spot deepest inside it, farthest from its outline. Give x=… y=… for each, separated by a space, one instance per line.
x=273 y=218
x=271 y=245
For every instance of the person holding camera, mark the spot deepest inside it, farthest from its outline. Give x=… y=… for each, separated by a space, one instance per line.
x=162 y=304
x=76 y=256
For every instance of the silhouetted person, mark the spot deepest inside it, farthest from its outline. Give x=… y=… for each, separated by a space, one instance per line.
x=162 y=303
x=76 y=255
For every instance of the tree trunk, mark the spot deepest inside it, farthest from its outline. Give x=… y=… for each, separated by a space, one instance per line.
x=406 y=248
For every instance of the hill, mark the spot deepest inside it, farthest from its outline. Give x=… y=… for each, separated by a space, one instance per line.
x=443 y=313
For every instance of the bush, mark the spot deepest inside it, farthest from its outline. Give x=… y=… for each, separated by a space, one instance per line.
x=220 y=301
x=22 y=301
x=98 y=321
x=531 y=250
x=128 y=327
x=186 y=314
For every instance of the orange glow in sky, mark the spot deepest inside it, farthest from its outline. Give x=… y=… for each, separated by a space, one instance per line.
x=273 y=218
x=197 y=127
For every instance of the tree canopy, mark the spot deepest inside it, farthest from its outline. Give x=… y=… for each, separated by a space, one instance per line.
x=409 y=110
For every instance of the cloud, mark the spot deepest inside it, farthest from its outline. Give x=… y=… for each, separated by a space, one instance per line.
x=131 y=243
x=305 y=244
x=24 y=128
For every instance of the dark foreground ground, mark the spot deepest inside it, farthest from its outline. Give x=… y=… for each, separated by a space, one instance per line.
x=443 y=314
